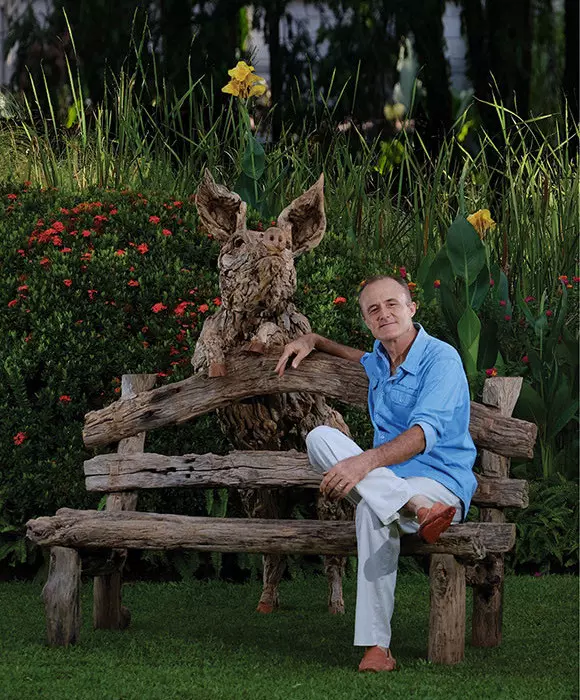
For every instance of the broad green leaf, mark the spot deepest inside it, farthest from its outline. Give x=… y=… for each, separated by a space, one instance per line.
x=439 y=269
x=530 y=406
x=424 y=266
x=254 y=159
x=479 y=289
x=488 y=346
x=465 y=249
x=469 y=329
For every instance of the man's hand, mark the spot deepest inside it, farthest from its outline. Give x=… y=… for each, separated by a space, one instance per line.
x=344 y=476
x=301 y=347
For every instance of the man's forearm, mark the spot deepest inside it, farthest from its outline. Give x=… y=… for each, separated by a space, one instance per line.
x=400 y=449
x=336 y=349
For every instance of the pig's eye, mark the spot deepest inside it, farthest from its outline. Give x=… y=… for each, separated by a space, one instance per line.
x=238 y=242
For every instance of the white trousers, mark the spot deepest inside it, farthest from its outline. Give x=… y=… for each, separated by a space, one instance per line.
x=379 y=498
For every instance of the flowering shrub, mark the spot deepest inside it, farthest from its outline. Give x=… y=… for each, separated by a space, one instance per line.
x=92 y=287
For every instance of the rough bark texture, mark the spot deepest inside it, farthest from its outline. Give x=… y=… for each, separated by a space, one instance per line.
x=488 y=603
x=108 y=612
x=257 y=284
x=240 y=468
x=88 y=529
x=503 y=393
x=254 y=376
x=61 y=595
x=447 y=617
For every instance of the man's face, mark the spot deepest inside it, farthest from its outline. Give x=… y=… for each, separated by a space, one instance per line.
x=387 y=310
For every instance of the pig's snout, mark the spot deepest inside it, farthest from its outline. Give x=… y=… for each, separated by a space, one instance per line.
x=276 y=240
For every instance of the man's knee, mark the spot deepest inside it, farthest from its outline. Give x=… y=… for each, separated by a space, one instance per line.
x=318 y=437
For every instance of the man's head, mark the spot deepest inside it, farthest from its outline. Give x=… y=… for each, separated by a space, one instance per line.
x=387 y=307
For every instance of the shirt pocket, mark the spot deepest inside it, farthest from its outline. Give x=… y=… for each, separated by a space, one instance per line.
x=403 y=398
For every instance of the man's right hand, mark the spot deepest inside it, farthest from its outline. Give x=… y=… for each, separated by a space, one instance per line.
x=301 y=347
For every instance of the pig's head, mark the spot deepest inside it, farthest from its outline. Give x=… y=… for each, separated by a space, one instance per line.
x=257 y=273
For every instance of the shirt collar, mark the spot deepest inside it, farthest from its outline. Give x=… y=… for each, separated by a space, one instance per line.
x=411 y=363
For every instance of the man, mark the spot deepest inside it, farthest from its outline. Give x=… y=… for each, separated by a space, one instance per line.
x=418 y=476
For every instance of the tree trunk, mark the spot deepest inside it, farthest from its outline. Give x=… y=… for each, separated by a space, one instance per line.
x=571 y=77
x=273 y=16
x=427 y=27
x=510 y=36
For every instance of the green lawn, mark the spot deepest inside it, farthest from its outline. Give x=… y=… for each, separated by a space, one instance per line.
x=203 y=640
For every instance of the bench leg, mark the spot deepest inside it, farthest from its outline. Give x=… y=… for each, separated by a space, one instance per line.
x=61 y=595
x=447 y=617
x=108 y=613
x=488 y=605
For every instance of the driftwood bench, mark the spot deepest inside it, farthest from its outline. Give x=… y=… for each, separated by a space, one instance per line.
x=95 y=542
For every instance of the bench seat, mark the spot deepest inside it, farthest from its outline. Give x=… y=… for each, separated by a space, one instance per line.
x=89 y=529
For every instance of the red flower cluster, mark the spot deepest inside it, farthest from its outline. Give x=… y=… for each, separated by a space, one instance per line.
x=154 y=219
x=339 y=300
x=156 y=308
x=65 y=398
x=19 y=438
x=492 y=372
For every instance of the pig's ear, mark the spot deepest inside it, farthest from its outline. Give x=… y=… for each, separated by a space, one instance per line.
x=221 y=212
x=305 y=218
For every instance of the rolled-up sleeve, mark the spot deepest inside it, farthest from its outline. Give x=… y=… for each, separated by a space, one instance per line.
x=442 y=393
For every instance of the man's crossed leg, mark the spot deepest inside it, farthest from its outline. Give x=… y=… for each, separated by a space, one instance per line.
x=386 y=507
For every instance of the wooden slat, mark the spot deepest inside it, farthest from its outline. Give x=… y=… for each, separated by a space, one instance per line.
x=129 y=530
x=248 y=469
x=254 y=376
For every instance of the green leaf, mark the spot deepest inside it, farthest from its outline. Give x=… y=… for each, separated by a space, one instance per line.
x=439 y=269
x=465 y=249
x=479 y=289
x=530 y=406
x=488 y=346
x=254 y=159
x=469 y=329
x=424 y=266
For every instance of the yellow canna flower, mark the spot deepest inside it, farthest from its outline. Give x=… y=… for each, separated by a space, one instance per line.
x=244 y=82
x=241 y=71
x=481 y=221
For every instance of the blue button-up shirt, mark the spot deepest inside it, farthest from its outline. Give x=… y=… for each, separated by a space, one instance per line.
x=428 y=389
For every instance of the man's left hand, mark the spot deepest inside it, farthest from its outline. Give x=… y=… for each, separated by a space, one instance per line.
x=344 y=476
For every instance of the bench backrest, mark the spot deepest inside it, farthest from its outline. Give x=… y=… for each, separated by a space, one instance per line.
x=143 y=408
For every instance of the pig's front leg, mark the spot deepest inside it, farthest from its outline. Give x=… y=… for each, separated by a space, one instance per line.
x=268 y=336
x=209 y=350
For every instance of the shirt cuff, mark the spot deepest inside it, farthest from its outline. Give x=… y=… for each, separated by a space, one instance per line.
x=430 y=436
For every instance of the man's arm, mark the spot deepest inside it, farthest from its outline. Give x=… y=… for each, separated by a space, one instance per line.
x=303 y=346
x=347 y=473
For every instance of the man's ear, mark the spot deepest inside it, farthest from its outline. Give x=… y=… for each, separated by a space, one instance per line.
x=221 y=212
x=305 y=218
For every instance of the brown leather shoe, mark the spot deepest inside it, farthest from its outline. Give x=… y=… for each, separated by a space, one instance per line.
x=434 y=521
x=377 y=659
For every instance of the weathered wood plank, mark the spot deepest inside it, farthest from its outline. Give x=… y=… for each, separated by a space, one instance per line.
x=447 y=614
x=61 y=595
x=246 y=469
x=254 y=376
x=126 y=530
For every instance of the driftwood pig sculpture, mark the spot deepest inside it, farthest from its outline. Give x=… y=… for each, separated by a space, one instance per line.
x=257 y=283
